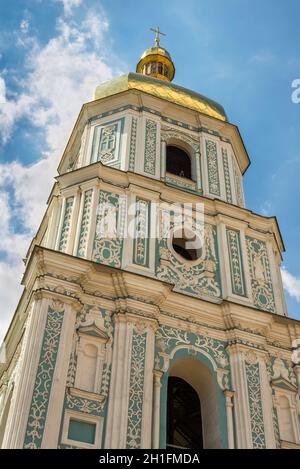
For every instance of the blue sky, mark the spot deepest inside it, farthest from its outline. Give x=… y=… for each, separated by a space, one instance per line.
x=53 y=53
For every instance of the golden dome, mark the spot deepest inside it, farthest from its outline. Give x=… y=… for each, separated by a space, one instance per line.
x=156 y=62
x=161 y=89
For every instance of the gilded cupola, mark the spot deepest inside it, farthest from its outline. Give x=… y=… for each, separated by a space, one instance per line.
x=156 y=61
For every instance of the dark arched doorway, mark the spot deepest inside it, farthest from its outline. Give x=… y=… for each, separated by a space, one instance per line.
x=184 y=423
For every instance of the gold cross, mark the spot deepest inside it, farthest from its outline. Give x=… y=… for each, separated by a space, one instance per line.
x=157 y=33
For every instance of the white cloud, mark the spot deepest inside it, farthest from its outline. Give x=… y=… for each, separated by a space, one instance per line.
x=61 y=76
x=69 y=5
x=2 y=91
x=266 y=208
x=24 y=26
x=291 y=284
x=13 y=245
x=263 y=57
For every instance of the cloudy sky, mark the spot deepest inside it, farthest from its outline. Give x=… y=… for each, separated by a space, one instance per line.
x=53 y=53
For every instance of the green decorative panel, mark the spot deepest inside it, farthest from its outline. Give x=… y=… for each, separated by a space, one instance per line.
x=142 y=233
x=150 y=147
x=44 y=377
x=132 y=144
x=236 y=262
x=201 y=279
x=66 y=224
x=87 y=406
x=107 y=143
x=227 y=176
x=212 y=168
x=136 y=390
x=238 y=185
x=168 y=338
x=260 y=273
x=82 y=431
x=85 y=223
x=255 y=406
x=109 y=227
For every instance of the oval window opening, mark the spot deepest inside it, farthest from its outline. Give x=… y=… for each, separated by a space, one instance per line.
x=189 y=249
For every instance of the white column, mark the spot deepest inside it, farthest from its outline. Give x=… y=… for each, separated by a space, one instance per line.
x=157 y=375
x=74 y=222
x=198 y=170
x=119 y=385
x=92 y=224
x=29 y=358
x=241 y=404
x=146 y=440
x=61 y=221
x=77 y=228
x=163 y=163
x=53 y=223
x=229 y=412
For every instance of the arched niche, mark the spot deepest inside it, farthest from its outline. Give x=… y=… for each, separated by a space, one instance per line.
x=285 y=419
x=198 y=371
x=90 y=358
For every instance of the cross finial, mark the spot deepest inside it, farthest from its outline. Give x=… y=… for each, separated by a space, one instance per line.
x=157 y=33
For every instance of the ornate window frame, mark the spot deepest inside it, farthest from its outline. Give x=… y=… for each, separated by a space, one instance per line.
x=189 y=144
x=91 y=335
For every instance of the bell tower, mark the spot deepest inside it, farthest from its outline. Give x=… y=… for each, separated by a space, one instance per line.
x=153 y=313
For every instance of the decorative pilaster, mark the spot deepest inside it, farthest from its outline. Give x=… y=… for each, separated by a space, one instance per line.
x=66 y=224
x=255 y=401
x=132 y=150
x=81 y=244
x=44 y=376
x=163 y=159
x=29 y=358
x=56 y=398
x=241 y=407
x=116 y=428
x=213 y=168
x=261 y=280
x=157 y=375
x=129 y=419
x=150 y=147
x=198 y=168
x=227 y=176
x=229 y=413
x=236 y=262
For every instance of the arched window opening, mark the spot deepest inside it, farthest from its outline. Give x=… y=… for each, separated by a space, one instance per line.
x=178 y=162
x=184 y=423
x=197 y=379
